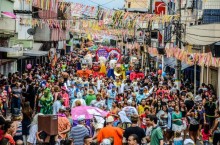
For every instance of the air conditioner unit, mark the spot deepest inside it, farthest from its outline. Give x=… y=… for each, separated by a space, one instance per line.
x=189 y=4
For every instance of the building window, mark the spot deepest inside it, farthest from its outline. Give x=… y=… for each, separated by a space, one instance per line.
x=129 y=4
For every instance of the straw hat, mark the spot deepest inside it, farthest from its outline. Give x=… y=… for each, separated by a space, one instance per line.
x=90 y=91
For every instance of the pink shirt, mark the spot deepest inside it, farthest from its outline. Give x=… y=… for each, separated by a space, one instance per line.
x=65 y=97
x=204 y=135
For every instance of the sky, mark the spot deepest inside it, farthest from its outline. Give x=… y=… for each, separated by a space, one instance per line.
x=107 y=3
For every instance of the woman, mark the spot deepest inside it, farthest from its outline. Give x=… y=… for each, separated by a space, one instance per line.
x=56 y=92
x=177 y=120
x=27 y=116
x=9 y=131
x=32 y=140
x=216 y=130
x=194 y=118
x=114 y=110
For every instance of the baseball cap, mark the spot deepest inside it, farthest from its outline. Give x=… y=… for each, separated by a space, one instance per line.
x=109 y=119
x=81 y=118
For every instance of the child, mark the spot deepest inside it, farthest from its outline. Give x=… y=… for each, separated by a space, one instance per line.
x=178 y=140
x=205 y=134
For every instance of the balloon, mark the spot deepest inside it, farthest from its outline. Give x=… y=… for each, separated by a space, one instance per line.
x=159 y=72
x=163 y=74
x=29 y=66
x=160 y=66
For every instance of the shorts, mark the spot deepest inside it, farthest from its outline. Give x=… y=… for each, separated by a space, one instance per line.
x=193 y=127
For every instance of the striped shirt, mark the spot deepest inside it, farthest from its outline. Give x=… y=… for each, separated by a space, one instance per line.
x=78 y=133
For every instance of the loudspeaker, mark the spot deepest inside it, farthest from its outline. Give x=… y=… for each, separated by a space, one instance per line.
x=113 y=42
x=48 y=124
x=215 y=48
x=161 y=50
x=62 y=52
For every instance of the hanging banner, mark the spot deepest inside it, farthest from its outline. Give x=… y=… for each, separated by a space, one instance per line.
x=108 y=53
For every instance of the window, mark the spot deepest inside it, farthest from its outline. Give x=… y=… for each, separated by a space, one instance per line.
x=129 y=4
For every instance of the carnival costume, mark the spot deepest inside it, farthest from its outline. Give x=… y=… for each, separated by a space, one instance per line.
x=46 y=101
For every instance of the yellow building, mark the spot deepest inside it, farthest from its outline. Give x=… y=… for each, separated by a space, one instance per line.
x=137 y=5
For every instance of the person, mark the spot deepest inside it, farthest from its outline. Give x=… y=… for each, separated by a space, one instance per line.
x=57 y=105
x=133 y=139
x=65 y=96
x=216 y=130
x=79 y=131
x=79 y=100
x=178 y=140
x=16 y=96
x=32 y=139
x=111 y=97
x=177 y=120
x=26 y=121
x=143 y=118
x=156 y=133
x=134 y=129
x=46 y=101
x=87 y=140
x=205 y=134
x=99 y=102
x=110 y=132
x=142 y=106
x=63 y=124
x=90 y=97
x=17 y=118
x=9 y=132
x=210 y=108
x=194 y=118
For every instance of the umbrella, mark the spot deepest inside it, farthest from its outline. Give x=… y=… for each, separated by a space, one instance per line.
x=87 y=111
x=9 y=14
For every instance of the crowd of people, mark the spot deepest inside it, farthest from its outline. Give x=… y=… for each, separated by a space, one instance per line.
x=151 y=110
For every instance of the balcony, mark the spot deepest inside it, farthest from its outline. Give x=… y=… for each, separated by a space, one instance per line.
x=7 y=25
x=47 y=34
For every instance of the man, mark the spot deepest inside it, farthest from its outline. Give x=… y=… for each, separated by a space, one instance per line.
x=110 y=132
x=78 y=132
x=98 y=102
x=90 y=97
x=130 y=110
x=134 y=129
x=210 y=108
x=63 y=124
x=133 y=139
x=156 y=133
x=72 y=90
x=87 y=140
x=111 y=97
x=57 y=105
x=140 y=95
x=142 y=106
x=143 y=118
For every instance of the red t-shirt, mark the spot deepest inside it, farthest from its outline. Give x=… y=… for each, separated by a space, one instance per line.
x=204 y=135
x=10 y=139
x=143 y=120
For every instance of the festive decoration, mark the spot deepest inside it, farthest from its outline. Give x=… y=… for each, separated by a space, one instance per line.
x=108 y=53
x=159 y=71
x=189 y=58
x=29 y=66
x=164 y=74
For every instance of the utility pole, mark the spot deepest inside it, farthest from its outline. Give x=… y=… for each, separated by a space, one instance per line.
x=178 y=67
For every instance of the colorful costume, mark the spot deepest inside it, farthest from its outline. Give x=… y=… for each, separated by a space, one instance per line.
x=46 y=101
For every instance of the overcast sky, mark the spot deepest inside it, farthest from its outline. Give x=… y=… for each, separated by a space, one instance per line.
x=107 y=3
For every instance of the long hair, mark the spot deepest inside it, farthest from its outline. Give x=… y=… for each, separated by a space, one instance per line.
x=206 y=128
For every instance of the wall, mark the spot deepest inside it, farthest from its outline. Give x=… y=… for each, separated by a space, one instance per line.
x=138 y=3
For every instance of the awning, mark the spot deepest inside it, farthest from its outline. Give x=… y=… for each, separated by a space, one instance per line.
x=35 y=53
x=8 y=49
x=37 y=46
x=171 y=62
x=203 y=34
